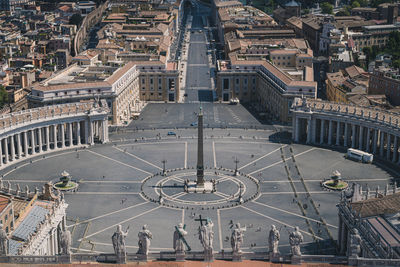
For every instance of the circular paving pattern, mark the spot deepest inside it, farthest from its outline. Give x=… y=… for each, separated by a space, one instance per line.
x=230 y=189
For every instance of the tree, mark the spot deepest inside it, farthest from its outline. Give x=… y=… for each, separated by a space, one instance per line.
x=355 y=4
x=75 y=19
x=345 y=11
x=326 y=8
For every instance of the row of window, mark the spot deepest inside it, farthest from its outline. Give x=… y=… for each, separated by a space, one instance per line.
x=77 y=92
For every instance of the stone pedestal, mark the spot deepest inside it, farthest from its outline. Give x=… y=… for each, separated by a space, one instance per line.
x=121 y=259
x=179 y=256
x=65 y=258
x=142 y=257
x=295 y=260
x=236 y=256
x=275 y=257
x=208 y=256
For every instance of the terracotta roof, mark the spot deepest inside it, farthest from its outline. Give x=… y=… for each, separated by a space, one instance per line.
x=354 y=71
x=375 y=206
x=336 y=78
x=4 y=201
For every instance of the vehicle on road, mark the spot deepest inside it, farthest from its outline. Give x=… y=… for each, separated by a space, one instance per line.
x=171 y=133
x=359 y=155
x=185 y=94
x=193 y=123
x=234 y=101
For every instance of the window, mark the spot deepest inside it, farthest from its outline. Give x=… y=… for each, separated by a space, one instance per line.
x=7 y=229
x=56 y=94
x=98 y=90
x=151 y=81
x=237 y=80
x=160 y=94
x=226 y=84
x=143 y=81
x=143 y=88
x=6 y=218
x=65 y=93
x=159 y=81
x=10 y=212
x=77 y=92
x=151 y=93
x=90 y=91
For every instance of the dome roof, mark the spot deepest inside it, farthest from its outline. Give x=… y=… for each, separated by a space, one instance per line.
x=292 y=4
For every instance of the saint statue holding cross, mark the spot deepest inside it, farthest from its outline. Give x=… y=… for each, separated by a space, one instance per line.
x=179 y=239
x=206 y=234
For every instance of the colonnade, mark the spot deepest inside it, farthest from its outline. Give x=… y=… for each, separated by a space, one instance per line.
x=46 y=134
x=379 y=134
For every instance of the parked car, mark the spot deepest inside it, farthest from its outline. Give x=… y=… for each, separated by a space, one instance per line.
x=171 y=133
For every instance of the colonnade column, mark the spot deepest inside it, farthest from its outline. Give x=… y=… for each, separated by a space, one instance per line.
x=308 y=131
x=26 y=144
x=368 y=140
x=12 y=148
x=297 y=130
x=381 y=144
x=1 y=152
x=314 y=131
x=19 y=148
x=40 y=139
x=62 y=135
x=361 y=137
x=330 y=132
x=91 y=133
x=6 y=150
x=33 y=141
x=47 y=132
x=395 y=147
x=375 y=142
x=321 y=137
x=78 y=133
x=105 y=129
x=71 y=143
x=388 y=146
x=346 y=134
x=55 y=135
x=353 y=136
x=338 y=133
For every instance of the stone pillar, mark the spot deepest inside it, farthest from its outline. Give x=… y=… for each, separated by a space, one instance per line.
x=375 y=141
x=6 y=150
x=12 y=148
x=71 y=139
x=62 y=135
x=40 y=139
x=33 y=141
x=297 y=130
x=200 y=155
x=78 y=133
x=1 y=152
x=361 y=137
x=388 y=146
x=381 y=144
x=86 y=132
x=314 y=131
x=330 y=130
x=105 y=130
x=55 y=135
x=309 y=131
x=338 y=133
x=19 y=148
x=26 y=144
x=346 y=134
x=395 y=148
x=321 y=137
x=91 y=133
x=47 y=132
x=353 y=136
x=368 y=140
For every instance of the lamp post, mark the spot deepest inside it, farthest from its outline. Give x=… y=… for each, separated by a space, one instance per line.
x=236 y=165
x=163 y=162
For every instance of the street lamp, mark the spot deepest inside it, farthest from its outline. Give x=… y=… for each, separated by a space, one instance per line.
x=163 y=162
x=236 y=165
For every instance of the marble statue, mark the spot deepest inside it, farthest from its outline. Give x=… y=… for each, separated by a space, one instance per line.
x=237 y=238
x=118 y=241
x=144 y=240
x=355 y=244
x=65 y=240
x=295 y=239
x=179 y=239
x=273 y=240
x=3 y=242
x=206 y=236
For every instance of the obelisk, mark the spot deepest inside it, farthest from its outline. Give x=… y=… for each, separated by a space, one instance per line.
x=200 y=166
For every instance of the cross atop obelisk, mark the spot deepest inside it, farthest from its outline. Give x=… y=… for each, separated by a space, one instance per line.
x=200 y=166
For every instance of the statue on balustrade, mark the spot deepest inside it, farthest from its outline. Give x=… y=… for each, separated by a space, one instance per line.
x=179 y=239
x=273 y=240
x=118 y=240
x=206 y=236
x=3 y=242
x=355 y=244
x=65 y=240
x=237 y=238
x=295 y=239
x=144 y=240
